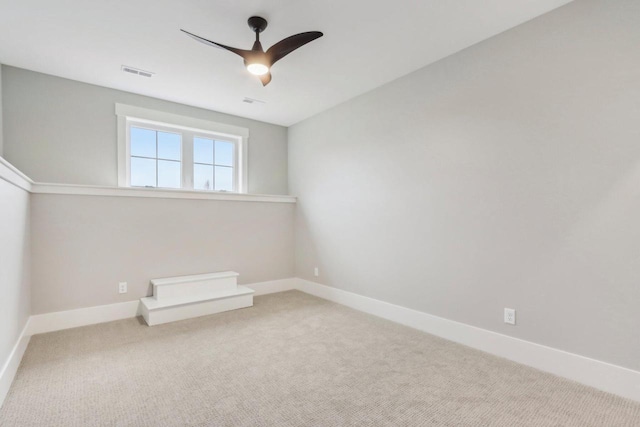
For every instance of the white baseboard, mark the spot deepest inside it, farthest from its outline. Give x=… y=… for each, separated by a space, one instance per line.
x=273 y=286
x=601 y=375
x=59 y=320
x=10 y=367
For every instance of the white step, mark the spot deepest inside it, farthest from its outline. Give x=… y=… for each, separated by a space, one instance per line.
x=157 y=311
x=196 y=285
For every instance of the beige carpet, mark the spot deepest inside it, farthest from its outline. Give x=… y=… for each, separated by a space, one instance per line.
x=291 y=360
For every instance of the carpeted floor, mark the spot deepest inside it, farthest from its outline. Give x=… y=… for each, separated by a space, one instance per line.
x=291 y=360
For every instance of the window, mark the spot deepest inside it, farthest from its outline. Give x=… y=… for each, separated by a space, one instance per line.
x=162 y=150
x=213 y=164
x=156 y=158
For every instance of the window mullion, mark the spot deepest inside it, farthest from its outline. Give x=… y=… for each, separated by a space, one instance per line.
x=213 y=178
x=187 y=160
x=157 y=164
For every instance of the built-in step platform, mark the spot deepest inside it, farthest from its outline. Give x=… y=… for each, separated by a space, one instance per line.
x=184 y=297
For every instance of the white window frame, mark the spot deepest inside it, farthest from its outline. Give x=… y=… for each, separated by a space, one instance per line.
x=189 y=127
x=156 y=127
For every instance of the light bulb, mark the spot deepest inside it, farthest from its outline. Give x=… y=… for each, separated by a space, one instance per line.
x=258 y=69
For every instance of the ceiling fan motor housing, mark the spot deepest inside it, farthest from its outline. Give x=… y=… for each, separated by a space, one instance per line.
x=257 y=24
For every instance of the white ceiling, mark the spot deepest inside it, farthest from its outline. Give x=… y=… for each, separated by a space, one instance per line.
x=366 y=44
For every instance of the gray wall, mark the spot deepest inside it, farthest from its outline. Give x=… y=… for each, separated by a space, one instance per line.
x=64 y=131
x=14 y=266
x=83 y=246
x=1 y=127
x=507 y=175
x=15 y=292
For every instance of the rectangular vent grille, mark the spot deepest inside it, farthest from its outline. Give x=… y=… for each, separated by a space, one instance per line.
x=137 y=71
x=252 y=100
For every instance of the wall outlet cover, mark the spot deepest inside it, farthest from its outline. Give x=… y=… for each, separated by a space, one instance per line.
x=122 y=287
x=510 y=316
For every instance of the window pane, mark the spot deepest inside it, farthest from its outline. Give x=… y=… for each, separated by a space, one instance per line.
x=224 y=178
x=169 y=146
x=143 y=172
x=202 y=177
x=143 y=142
x=224 y=153
x=168 y=174
x=203 y=150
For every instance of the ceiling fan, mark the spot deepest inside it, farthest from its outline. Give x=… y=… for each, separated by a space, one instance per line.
x=257 y=61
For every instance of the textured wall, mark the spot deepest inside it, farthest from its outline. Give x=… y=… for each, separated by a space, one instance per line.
x=63 y=131
x=507 y=175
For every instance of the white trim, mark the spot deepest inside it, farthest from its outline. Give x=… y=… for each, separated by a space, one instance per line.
x=242 y=298
x=154 y=303
x=273 y=286
x=12 y=175
x=123 y=153
x=184 y=121
x=242 y=153
x=128 y=113
x=10 y=367
x=193 y=278
x=56 y=321
x=604 y=376
x=59 y=320
x=601 y=375
x=92 y=190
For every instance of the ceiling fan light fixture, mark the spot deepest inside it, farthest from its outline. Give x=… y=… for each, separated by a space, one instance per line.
x=257 y=69
x=257 y=61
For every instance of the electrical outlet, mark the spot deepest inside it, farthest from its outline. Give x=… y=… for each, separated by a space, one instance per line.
x=122 y=287
x=316 y=272
x=510 y=316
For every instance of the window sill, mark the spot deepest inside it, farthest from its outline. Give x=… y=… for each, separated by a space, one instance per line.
x=91 y=190
x=12 y=175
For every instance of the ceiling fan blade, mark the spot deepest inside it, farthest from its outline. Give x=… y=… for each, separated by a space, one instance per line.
x=243 y=53
x=288 y=45
x=265 y=79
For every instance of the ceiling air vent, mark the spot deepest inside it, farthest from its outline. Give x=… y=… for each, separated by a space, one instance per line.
x=252 y=100
x=137 y=71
